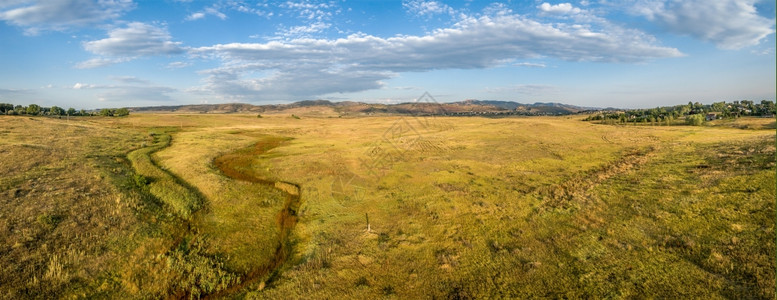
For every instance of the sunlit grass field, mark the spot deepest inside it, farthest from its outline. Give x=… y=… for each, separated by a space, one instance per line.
x=388 y=207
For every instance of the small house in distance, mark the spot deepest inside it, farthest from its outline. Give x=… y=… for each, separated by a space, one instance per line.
x=712 y=116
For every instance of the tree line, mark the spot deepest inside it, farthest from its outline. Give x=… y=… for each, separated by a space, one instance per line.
x=692 y=113
x=37 y=110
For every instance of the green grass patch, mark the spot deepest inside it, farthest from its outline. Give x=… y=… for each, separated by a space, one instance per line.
x=182 y=200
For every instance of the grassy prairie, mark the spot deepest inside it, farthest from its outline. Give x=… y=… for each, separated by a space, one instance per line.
x=395 y=207
x=71 y=216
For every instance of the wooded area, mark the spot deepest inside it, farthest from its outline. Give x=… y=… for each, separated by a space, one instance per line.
x=37 y=110
x=693 y=113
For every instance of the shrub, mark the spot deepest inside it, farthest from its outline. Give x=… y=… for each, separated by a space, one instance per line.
x=140 y=180
x=694 y=120
x=196 y=272
x=121 y=112
x=362 y=281
x=387 y=290
x=106 y=112
x=383 y=238
x=33 y=109
x=49 y=221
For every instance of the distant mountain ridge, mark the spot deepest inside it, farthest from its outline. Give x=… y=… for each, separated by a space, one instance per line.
x=465 y=107
x=511 y=105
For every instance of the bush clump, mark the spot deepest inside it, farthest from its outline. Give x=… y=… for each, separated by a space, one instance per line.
x=694 y=120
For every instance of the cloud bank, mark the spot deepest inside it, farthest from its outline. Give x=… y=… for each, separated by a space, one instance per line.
x=130 y=88
x=730 y=24
x=313 y=67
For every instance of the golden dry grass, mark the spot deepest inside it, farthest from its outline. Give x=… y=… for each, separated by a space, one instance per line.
x=456 y=207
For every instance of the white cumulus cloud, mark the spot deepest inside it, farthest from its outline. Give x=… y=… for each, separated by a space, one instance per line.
x=561 y=8
x=730 y=24
x=195 y=16
x=79 y=86
x=136 y=39
x=130 y=42
x=213 y=11
x=36 y=16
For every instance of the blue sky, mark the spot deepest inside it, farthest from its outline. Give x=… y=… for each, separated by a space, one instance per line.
x=605 y=53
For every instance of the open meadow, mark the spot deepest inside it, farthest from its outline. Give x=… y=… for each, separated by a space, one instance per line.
x=309 y=205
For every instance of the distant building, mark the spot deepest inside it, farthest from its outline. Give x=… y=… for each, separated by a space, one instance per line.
x=712 y=116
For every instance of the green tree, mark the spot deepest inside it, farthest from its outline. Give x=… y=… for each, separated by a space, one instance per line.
x=33 y=109
x=106 y=112
x=719 y=106
x=56 y=111
x=766 y=107
x=72 y=112
x=5 y=107
x=121 y=112
x=694 y=120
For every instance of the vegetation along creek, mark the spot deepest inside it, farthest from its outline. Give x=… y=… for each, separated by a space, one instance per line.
x=237 y=165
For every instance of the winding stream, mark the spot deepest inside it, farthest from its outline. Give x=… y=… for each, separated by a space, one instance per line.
x=237 y=166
